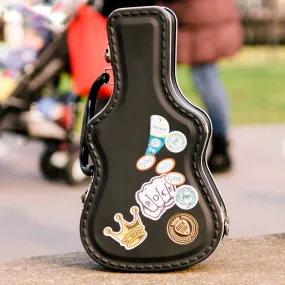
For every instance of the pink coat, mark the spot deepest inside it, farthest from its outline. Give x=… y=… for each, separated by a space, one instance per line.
x=208 y=29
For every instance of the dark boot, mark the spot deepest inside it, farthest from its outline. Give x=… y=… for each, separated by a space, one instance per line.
x=219 y=159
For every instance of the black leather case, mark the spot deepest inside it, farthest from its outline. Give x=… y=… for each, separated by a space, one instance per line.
x=152 y=204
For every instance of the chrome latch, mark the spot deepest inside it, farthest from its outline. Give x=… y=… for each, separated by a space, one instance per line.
x=107 y=54
x=83 y=197
x=227 y=226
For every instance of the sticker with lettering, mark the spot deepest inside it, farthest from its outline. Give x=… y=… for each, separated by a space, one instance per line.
x=165 y=166
x=159 y=130
x=186 y=197
x=131 y=234
x=155 y=197
x=146 y=162
x=175 y=178
x=176 y=142
x=182 y=228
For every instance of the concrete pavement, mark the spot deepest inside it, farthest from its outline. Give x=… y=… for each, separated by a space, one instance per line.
x=254 y=191
x=39 y=217
x=242 y=261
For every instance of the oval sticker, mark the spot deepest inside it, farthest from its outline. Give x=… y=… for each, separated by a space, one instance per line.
x=175 y=178
x=165 y=166
x=145 y=162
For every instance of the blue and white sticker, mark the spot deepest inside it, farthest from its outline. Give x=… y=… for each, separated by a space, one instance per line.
x=186 y=197
x=176 y=142
x=165 y=166
x=146 y=162
x=175 y=178
x=159 y=130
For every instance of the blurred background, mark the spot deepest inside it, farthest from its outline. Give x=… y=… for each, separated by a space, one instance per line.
x=43 y=86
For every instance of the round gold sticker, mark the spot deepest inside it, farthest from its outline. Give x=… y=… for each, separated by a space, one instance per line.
x=182 y=228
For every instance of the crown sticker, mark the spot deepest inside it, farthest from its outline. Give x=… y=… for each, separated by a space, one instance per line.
x=131 y=234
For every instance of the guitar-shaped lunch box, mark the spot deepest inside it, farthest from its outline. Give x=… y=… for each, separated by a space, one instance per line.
x=152 y=204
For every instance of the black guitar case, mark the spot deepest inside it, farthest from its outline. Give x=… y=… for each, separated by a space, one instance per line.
x=152 y=204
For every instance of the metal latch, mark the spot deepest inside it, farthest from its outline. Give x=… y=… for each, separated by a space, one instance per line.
x=83 y=196
x=107 y=54
x=227 y=226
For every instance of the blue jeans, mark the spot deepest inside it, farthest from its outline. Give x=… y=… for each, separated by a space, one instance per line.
x=207 y=82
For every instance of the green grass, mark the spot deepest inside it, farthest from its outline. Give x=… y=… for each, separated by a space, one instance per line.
x=255 y=82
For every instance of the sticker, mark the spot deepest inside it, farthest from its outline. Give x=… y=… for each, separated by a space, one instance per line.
x=182 y=228
x=159 y=130
x=175 y=178
x=155 y=197
x=146 y=162
x=186 y=197
x=130 y=234
x=176 y=142
x=165 y=166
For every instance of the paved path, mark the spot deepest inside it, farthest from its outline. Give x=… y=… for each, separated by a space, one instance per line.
x=39 y=217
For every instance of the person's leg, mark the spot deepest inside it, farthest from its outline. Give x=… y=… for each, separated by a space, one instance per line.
x=209 y=85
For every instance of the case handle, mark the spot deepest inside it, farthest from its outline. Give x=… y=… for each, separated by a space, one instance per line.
x=89 y=113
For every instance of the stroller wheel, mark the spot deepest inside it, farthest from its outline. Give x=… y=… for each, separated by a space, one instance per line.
x=48 y=170
x=73 y=173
